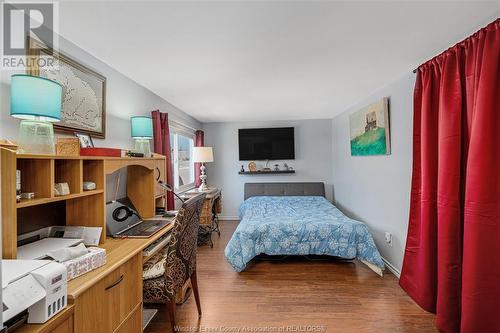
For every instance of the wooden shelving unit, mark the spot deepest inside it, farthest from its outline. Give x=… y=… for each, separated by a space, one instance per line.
x=41 y=201
x=39 y=173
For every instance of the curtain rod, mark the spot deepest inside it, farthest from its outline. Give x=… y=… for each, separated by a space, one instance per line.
x=462 y=43
x=183 y=125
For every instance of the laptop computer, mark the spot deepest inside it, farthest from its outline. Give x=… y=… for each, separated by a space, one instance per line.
x=123 y=221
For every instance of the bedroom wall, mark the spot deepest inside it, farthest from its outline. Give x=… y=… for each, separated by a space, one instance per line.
x=125 y=98
x=313 y=146
x=376 y=189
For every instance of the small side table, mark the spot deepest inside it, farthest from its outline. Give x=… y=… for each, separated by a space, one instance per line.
x=209 y=219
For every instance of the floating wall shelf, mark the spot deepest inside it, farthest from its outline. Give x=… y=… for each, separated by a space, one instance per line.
x=265 y=172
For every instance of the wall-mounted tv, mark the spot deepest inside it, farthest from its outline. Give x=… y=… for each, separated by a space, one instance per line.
x=266 y=143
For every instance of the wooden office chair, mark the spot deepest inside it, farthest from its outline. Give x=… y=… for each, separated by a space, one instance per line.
x=179 y=260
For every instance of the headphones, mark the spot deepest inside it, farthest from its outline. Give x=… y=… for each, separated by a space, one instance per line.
x=122 y=213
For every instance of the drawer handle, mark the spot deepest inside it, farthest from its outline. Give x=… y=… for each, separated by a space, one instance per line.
x=115 y=284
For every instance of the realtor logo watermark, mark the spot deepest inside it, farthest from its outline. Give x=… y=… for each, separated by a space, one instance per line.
x=22 y=21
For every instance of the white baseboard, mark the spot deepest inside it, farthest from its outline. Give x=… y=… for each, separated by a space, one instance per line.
x=229 y=218
x=391 y=267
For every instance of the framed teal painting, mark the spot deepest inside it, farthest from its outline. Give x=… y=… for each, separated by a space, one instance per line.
x=369 y=129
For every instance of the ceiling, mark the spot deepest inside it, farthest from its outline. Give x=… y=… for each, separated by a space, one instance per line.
x=268 y=60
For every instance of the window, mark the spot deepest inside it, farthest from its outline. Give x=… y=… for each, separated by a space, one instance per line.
x=182 y=160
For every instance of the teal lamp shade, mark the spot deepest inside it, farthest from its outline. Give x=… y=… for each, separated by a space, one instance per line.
x=35 y=98
x=142 y=127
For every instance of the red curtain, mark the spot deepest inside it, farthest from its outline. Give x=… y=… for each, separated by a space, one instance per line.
x=452 y=257
x=199 y=141
x=161 y=138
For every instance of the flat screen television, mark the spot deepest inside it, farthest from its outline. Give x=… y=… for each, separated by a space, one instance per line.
x=266 y=143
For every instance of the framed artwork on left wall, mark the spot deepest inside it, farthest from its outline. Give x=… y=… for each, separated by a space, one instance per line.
x=84 y=91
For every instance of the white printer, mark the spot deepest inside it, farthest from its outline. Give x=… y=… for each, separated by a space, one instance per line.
x=40 y=286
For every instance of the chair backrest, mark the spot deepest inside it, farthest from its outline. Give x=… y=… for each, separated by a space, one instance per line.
x=181 y=253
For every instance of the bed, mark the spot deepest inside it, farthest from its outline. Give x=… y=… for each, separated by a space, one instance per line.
x=297 y=219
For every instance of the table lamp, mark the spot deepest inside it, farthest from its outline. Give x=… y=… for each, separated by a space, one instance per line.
x=142 y=132
x=203 y=155
x=37 y=101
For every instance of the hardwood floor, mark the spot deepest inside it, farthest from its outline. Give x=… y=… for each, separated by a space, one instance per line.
x=293 y=296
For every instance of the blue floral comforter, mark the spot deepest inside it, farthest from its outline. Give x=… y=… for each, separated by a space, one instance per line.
x=298 y=226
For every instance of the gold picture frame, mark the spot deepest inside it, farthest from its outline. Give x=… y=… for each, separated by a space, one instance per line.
x=84 y=91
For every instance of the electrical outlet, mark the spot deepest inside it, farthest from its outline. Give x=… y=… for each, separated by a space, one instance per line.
x=388 y=238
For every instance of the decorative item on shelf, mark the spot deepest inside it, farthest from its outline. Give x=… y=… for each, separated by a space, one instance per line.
x=142 y=132
x=68 y=147
x=290 y=168
x=130 y=153
x=61 y=189
x=85 y=140
x=28 y=195
x=242 y=169
x=285 y=167
x=107 y=152
x=266 y=167
x=276 y=167
x=37 y=101
x=252 y=167
x=18 y=185
x=89 y=186
x=203 y=155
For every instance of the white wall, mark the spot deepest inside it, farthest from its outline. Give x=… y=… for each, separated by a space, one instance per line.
x=376 y=189
x=124 y=98
x=313 y=146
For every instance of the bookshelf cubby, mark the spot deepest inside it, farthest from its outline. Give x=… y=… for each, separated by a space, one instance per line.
x=69 y=171
x=36 y=176
x=39 y=173
x=93 y=171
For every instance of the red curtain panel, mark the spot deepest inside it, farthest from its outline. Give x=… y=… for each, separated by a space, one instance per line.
x=452 y=258
x=199 y=141
x=161 y=138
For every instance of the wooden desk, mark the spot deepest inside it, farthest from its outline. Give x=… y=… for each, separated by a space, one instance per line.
x=108 y=299
x=112 y=294
x=118 y=252
x=87 y=312
x=212 y=204
x=60 y=323
x=209 y=219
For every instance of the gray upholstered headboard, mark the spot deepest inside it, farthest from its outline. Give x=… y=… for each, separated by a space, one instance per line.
x=284 y=189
